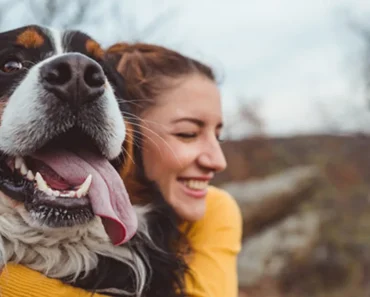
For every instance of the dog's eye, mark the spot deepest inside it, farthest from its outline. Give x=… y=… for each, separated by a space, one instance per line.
x=11 y=66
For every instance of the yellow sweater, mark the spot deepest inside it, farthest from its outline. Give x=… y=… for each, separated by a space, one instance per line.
x=215 y=239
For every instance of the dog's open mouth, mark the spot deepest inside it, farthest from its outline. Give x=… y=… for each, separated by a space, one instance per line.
x=66 y=183
x=46 y=194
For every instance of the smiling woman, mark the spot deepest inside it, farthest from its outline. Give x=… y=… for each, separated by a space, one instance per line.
x=179 y=106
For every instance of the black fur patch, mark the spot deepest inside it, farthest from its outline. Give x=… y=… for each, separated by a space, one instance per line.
x=12 y=50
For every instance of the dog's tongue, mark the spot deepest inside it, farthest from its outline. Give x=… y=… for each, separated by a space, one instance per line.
x=107 y=193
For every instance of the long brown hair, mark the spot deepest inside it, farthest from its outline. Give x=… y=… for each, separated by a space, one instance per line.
x=147 y=71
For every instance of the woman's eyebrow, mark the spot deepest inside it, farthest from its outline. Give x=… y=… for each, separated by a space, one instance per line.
x=195 y=121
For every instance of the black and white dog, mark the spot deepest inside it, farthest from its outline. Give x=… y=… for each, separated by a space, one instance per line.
x=64 y=209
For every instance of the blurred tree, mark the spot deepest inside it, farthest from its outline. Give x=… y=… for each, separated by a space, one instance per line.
x=62 y=13
x=114 y=19
x=247 y=121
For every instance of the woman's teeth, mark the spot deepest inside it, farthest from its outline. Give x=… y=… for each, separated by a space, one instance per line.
x=41 y=184
x=195 y=184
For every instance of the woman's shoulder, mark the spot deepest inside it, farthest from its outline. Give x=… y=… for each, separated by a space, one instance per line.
x=221 y=203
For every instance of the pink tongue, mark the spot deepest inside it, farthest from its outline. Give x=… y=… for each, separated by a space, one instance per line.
x=107 y=193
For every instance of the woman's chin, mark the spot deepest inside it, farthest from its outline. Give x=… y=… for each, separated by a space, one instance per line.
x=190 y=209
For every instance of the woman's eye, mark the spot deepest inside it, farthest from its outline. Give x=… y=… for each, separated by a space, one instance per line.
x=11 y=66
x=186 y=135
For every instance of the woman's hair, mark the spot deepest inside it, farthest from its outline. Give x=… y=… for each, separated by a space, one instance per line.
x=147 y=68
x=147 y=71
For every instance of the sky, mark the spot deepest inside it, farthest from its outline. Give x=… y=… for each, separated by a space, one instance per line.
x=299 y=63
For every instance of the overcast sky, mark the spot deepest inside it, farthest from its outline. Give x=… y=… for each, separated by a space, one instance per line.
x=297 y=59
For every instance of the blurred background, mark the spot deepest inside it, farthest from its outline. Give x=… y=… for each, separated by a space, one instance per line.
x=295 y=79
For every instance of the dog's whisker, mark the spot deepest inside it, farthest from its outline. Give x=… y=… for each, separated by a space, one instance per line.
x=128 y=155
x=134 y=141
x=160 y=137
x=156 y=134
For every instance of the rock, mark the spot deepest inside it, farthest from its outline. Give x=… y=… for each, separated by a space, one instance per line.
x=268 y=253
x=265 y=201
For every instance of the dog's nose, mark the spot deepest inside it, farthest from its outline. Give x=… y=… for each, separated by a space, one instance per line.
x=73 y=78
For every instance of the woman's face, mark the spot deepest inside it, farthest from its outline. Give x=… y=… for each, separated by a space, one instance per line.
x=181 y=150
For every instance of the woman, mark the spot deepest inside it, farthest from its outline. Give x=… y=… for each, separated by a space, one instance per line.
x=178 y=103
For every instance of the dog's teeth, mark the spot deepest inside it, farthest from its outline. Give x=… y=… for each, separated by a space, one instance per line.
x=20 y=165
x=69 y=194
x=41 y=183
x=42 y=186
x=18 y=162
x=24 y=169
x=79 y=193
x=49 y=191
x=30 y=175
x=64 y=195
x=84 y=188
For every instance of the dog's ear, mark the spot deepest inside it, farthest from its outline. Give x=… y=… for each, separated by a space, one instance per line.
x=117 y=82
x=126 y=160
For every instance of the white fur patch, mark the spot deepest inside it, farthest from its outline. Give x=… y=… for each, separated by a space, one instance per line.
x=115 y=120
x=56 y=39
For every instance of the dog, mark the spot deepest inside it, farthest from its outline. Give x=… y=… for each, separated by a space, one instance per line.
x=64 y=210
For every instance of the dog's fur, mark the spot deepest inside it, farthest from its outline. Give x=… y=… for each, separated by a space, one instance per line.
x=28 y=121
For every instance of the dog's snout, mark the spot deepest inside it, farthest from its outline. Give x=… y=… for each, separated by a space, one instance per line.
x=74 y=79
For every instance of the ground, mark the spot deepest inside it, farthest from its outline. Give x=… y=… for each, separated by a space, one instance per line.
x=339 y=266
